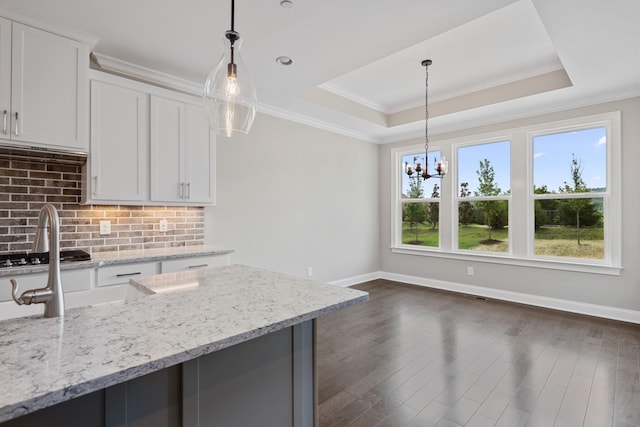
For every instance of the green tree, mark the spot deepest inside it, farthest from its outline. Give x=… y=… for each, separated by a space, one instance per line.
x=577 y=212
x=494 y=211
x=415 y=213
x=433 y=209
x=465 y=209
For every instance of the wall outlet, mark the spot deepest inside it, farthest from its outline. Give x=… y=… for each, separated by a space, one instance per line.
x=105 y=228
x=469 y=271
x=164 y=225
x=309 y=271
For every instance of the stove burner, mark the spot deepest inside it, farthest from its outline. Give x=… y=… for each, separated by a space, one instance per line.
x=34 y=258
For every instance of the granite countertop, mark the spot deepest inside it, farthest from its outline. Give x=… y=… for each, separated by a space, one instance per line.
x=122 y=257
x=186 y=315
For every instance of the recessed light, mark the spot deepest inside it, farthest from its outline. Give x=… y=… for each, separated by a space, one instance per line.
x=284 y=60
x=286 y=4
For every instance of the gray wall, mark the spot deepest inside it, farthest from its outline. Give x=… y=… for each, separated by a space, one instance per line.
x=615 y=291
x=291 y=196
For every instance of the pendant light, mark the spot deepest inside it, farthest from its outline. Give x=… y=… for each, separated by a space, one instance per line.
x=229 y=94
x=440 y=167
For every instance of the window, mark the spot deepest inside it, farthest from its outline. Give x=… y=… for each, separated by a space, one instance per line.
x=484 y=179
x=420 y=203
x=570 y=192
x=541 y=196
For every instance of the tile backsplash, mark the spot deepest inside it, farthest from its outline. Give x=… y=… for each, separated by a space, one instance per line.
x=26 y=185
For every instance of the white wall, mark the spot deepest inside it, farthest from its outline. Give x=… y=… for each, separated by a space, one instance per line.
x=290 y=197
x=613 y=291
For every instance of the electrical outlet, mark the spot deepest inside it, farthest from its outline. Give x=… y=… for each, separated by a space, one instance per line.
x=105 y=228
x=309 y=271
x=164 y=225
x=469 y=271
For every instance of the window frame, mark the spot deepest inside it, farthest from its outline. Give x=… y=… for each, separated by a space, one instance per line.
x=457 y=199
x=521 y=199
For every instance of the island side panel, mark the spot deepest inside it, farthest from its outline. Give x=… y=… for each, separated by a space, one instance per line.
x=268 y=381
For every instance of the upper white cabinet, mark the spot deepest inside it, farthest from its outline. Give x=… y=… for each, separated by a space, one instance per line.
x=149 y=146
x=118 y=165
x=44 y=88
x=182 y=153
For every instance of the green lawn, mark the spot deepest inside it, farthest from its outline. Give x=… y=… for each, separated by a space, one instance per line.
x=552 y=241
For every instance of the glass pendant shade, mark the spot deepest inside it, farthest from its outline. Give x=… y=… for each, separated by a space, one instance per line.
x=229 y=94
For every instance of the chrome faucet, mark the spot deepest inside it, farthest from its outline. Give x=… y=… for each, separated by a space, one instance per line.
x=51 y=296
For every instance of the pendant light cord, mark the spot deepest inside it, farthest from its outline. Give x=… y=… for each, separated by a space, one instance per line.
x=233 y=9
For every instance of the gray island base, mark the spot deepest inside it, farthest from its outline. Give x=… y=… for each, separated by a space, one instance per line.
x=227 y=346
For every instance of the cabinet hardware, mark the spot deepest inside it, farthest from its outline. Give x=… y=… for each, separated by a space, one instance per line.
x=181 y=190
x=198 y=266
x=188 y=190
x=17 y=125
x=4 y=122
x=128 y=274
x=95 y=185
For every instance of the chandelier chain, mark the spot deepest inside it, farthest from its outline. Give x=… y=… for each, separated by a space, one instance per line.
x=426 y=111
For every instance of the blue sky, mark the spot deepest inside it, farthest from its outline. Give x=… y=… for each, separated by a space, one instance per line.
x=553 y=153
x=552 y=160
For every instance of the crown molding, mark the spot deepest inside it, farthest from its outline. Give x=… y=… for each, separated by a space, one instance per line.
x=148 y=75
x=51 y=27
x=306 y=120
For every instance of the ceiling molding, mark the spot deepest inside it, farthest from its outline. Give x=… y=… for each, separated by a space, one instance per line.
x=531 y=112
x=52 y=27
x=306 y=120
x=148 y=75
x=491 y=95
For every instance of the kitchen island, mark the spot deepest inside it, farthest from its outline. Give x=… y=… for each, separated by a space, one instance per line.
x=232 y=342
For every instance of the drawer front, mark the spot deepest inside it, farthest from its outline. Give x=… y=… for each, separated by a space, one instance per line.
x=120 y=274
x=72 y=280
x=184 y=264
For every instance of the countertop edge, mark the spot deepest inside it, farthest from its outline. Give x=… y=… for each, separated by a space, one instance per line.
x=179 y=354
x=77 y=390
x=103 y=259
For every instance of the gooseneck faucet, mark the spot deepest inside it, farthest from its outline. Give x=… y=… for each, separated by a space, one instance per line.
x=51 y=296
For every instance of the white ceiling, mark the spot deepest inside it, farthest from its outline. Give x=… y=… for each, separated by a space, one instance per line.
x=357 y=65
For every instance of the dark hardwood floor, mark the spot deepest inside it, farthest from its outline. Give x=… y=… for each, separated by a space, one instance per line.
x=414 y=356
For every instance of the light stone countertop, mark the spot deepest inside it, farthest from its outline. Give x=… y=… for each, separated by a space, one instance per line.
x=47 y=361
x=100 y=259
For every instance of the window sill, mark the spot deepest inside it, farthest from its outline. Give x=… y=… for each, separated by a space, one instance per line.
x=509 y=260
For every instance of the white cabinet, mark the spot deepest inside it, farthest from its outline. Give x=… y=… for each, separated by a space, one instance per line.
x=118 y=162
x=186 y=264
x=44 y=88
x=149 y=146
x=122 y=273
x=182 y=153
x=72 y=280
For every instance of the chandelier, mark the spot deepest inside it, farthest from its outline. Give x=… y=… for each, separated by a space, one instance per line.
x=439 y=167
x=229 y=94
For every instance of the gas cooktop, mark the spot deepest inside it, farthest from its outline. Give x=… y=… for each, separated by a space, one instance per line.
x=18 y=259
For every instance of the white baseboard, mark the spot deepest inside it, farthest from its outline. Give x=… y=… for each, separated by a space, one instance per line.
x=606 y=312
x=350 y=281
x=603 y=311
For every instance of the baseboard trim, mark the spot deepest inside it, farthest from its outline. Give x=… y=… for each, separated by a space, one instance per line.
x=606 y=312
x=350 y=281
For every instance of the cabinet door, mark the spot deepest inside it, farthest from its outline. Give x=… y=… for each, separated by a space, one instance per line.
x=187 y=264
x=5 y=77
x=50 y=89
x=200 y=157
x=119 y=143
x=167 y=150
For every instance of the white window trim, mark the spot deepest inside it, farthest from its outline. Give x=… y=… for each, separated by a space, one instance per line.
x=520 y=254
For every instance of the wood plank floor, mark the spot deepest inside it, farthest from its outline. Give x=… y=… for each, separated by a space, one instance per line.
x=414 y=356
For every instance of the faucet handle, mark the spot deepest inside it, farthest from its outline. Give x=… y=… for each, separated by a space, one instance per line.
x=14 y=292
